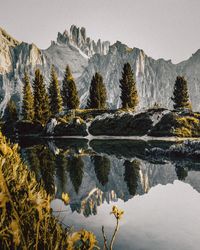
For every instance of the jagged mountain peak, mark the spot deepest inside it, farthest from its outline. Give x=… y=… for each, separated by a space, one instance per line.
x=78 y=38
x=6 y=38
x=120 y=47
x=155 y=78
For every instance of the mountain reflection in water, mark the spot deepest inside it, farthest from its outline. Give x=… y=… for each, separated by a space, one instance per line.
x=93 y=172
x=160 y=196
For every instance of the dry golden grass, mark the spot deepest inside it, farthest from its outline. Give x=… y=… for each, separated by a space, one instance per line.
x=26 y=221
x=186 y=125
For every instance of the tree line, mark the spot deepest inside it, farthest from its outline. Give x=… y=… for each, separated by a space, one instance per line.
x=39 y=103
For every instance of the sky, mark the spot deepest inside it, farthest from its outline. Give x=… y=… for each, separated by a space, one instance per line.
x=168 y=29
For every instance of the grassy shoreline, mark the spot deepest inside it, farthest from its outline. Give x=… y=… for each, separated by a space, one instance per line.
x=26 y=220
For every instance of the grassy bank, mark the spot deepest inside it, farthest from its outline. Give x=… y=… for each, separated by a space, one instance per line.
x=26 y=220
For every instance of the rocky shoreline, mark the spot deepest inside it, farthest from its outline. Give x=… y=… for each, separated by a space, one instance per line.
x=156 y=123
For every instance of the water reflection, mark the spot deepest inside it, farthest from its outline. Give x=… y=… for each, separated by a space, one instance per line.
x=75 y=168
x=131 y=175
x=181 y=171
x=103 y=170
x=167 y=218
x=100 y=173
x=42 y=161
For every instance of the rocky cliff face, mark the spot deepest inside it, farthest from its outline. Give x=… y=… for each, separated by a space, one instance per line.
x=78 y=38
x=6 y=43
x=73 y=48
x=155 y=78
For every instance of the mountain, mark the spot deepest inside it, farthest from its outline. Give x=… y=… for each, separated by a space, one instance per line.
x=155 y=78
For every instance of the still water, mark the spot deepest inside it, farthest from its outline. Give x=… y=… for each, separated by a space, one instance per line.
x=160 y=197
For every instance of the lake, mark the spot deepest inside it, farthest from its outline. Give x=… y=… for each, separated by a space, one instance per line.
x=160 y=196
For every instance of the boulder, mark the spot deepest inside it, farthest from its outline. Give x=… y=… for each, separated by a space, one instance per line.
x=76 y=127
x=180 y=124
x=126 y=123
x=28 y=128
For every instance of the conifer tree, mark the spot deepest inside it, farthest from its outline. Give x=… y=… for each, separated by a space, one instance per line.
x=69 y=91
x=54 y=94
x=10 y=113
x=28 y=100
x=97 y=94
x=129 y=95
x=41 y=100
x=180 y=94
x=10 y=118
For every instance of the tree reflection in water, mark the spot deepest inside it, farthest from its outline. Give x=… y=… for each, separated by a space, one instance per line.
x=102 y=168
x=181 y=171
x=75 y=168
x=103 y=172
x=131 y=175
x=42 y=161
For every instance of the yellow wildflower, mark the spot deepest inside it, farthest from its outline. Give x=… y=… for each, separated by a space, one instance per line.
x=65 y=198
x=117 y=212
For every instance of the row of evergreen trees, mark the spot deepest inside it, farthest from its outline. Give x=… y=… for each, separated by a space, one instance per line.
x=41 y=104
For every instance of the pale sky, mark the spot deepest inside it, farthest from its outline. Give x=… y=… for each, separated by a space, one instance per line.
x=168 y=29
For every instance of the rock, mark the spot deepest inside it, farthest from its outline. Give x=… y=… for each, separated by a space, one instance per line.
x=28 y=128
x=77 y=37
x=181 y=124
x=126 y=123
x=49 y=129
x=6 y=42
x=76 y=127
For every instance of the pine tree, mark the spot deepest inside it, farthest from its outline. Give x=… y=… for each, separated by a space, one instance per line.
x=28 y=100
x=10 y=118
x=129 y=95
x=180 y=94
x=97 y=95
x=54 y=94
x=10 y=113
x=69 y=91
x=41 y=100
